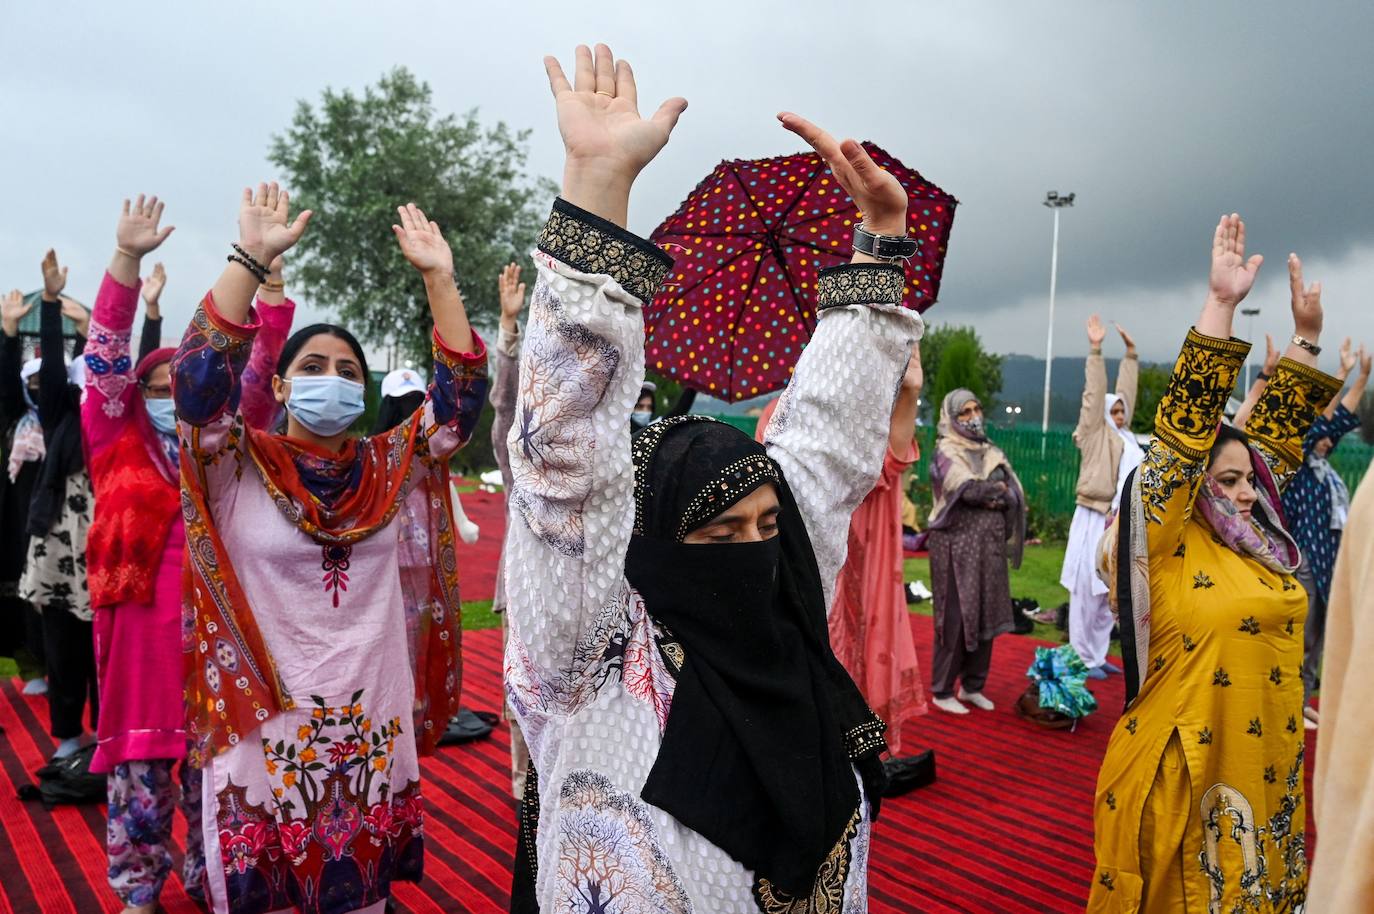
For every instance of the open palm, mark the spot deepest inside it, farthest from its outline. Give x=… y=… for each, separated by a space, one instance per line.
x=421 y=241
x=264 y=226
x=1232 y=274
x=138 y=232
x=598 y=114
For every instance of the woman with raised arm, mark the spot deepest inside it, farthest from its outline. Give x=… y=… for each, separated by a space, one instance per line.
x=1199 y=803
x=1317 y=506
x=1109 y=452
x=977 y=527
x=695 y=744
x=506 y=359
x=134 y=553
x=21 y=444
x=300 y=698
x=870 y=625
x=54 y=580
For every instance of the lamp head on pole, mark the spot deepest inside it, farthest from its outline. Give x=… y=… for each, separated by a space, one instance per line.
x=1055 y=200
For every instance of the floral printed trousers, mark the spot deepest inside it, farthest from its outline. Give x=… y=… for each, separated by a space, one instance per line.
x=139 y=835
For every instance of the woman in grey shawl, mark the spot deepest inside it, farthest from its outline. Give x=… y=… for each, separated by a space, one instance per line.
x=977 y=526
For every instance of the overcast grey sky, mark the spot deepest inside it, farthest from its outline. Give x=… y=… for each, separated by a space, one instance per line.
x=1160 y=116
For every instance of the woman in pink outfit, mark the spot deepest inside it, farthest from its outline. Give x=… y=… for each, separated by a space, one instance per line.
x=136 y=545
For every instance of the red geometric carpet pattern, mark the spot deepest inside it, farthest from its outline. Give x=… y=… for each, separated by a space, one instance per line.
x=1007 y=828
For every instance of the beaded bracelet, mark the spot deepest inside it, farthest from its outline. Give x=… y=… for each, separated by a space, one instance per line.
x=249 y=257
x=258 y=272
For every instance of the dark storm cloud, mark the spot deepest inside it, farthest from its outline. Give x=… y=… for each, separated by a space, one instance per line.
x=1159 y=116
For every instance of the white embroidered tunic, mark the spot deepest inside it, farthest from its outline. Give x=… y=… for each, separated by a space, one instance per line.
x=585 y=676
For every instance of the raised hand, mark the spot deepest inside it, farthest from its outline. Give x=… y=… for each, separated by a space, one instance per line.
x=54 y=276
x=13 y=309
x=1306 y=302
x=153 y=286
x=1232 y=274
x=1271 y=356
x=605 y=140
x=77 y=314
x=512 y=293
x=1096 y=331
x=421 y=241
x=137 y=233
x=1366 y=360
x=1347 y=356
x=276 y=270
x=1126 y=338
x=877 y=194
x=264 y=227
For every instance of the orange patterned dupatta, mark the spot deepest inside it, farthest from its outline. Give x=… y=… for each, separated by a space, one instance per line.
x=232 y=685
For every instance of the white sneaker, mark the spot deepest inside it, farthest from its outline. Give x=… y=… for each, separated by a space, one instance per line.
x=949 y=705
x=37 y=686
x=919 y=590
x=977 y=700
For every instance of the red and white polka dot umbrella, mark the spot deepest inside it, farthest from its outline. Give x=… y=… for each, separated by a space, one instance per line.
x=749 y=242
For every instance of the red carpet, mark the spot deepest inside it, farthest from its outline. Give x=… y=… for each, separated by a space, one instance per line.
x=1007 y=828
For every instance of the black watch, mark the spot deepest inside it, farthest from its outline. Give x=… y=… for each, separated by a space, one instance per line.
x=890 y=248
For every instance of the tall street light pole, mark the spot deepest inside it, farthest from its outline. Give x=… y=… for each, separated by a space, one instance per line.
x=1055 y=202
x=1249 y=335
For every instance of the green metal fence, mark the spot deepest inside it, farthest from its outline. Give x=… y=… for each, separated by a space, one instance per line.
x=1048 y=464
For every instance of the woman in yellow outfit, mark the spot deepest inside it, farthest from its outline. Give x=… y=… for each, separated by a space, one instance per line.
x=1199 y=804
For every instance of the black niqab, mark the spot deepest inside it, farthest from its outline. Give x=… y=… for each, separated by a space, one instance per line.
x=765 y=724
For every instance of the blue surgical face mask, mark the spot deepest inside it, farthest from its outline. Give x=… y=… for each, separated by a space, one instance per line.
x=162 y=413
x=325 y=404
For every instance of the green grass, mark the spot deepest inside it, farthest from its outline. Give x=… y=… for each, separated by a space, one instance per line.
x=477 y=615
x=1037 y=579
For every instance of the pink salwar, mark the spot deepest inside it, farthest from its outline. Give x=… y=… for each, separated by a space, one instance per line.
x=870 y=626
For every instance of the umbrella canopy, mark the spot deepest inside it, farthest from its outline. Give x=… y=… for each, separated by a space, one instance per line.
x=749 y=243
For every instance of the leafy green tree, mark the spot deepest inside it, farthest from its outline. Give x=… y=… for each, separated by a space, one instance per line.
x=972 y=365
x=1154 y=379
x=355 y=158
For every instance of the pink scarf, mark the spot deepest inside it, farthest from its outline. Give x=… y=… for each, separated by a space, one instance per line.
x=1262 y=537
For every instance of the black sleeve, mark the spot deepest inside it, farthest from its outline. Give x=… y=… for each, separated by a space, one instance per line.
x=684 y=404
x=78 y=346
x=151 y=336
x=53 y=401
x=12 y=404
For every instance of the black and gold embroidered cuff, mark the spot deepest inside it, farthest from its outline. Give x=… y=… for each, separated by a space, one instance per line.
x=860 y=284
x=590 y=244
x=1202 y=381
x=865 y=738
x=1288 y=406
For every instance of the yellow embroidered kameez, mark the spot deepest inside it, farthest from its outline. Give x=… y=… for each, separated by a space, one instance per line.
x=1199 y=804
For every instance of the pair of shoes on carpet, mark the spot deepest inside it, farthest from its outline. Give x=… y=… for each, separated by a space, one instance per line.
x=1096 y=672
x=917 y=592
x=953 y=705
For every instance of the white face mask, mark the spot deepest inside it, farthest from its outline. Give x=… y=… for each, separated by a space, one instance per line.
x=325 y=404
x=641 y=417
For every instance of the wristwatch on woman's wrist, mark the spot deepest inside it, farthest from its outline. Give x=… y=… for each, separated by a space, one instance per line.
x=1303 y=343
x=889 y=248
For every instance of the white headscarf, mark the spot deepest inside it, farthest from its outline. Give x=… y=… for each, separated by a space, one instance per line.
x=1131 y=453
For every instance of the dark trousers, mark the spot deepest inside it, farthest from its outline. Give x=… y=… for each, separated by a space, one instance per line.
x=69 y=650
x=1314 y=633
x=953 y=661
